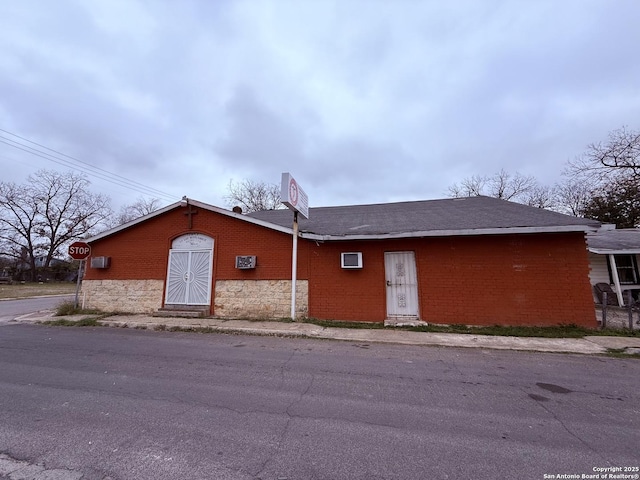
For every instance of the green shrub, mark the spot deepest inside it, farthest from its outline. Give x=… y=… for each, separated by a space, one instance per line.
x=66 y=308
x=69 y=308
x=64 y=322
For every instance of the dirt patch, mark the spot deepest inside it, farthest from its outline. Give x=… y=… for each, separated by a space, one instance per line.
x=26 y=290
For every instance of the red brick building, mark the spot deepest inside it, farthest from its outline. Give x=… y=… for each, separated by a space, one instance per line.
x=474 y=261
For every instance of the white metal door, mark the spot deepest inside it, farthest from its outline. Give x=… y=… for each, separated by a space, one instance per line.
x=189 y=277
x=402 y=285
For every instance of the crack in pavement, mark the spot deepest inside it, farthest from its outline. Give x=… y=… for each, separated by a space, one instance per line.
x=540 y=401
x=287 y=412
x=11 y=468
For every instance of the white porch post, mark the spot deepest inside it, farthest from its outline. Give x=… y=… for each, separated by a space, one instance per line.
x=616 y=279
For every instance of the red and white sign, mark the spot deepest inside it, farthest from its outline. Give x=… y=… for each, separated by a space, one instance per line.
x=79 y=250
x=293 y=196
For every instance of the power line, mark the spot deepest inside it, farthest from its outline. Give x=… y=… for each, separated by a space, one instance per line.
x=83 y=166
x=69 y=161
x=141 y=189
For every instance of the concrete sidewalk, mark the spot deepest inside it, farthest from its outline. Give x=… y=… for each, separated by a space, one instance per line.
x=593 y=344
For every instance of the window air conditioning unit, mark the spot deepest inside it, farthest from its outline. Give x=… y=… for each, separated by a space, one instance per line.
x=245 y=262
x=100 y=262
x=351 y=259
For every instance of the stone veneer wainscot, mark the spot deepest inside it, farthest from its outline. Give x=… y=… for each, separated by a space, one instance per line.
x=260 y=298
x=131 y=296
x=233 y=298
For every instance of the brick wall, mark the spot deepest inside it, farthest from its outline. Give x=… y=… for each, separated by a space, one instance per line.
x=142 y=251
x=484 y=280
x=347 y=294
x=539 y=279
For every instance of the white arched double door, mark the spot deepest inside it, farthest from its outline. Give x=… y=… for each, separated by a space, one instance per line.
x=189 y=271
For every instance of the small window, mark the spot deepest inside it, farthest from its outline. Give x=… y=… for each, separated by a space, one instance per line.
x=627 y=268
x=351 y=260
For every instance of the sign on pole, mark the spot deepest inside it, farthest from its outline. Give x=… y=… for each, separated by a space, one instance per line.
x=293 y=196
x=79 y=250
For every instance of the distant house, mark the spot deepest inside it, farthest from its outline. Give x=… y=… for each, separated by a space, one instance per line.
x=58 y=269
x=477 y=260
x=613 y=256
x=40 y=261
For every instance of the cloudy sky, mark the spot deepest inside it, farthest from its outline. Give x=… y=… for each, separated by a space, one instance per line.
x=363 y=101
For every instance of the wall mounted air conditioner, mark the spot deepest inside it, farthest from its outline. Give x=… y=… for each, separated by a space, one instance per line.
x=245 y=262
x=100 y=262
x=351 y=259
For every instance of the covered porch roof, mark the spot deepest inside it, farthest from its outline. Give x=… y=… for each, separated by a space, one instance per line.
x=612 y=242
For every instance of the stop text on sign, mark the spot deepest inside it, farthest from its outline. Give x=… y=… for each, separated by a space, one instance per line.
x=79 y=250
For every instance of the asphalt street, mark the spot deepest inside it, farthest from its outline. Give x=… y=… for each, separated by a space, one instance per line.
x=10 y=309
x=135 y=404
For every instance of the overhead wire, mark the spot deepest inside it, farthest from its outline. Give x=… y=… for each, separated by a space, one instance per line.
x=69 y=161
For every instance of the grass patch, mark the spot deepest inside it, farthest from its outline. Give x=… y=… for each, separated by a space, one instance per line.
x=266 y=319
x=352 y=325
x=69 y=308
x=618 y=332
x=560 y=331
x=35 y=289
x=83 y=322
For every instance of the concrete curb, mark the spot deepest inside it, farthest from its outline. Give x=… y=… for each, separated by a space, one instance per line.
x=590 y=345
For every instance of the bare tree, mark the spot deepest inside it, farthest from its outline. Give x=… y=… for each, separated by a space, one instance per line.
x=19 y=221
x=571 y=196
x=541 y=196
x=618 y=157
x=51 y=209
x=141 y=207
x=473 y=186
x=253 y=196
x=515 y=187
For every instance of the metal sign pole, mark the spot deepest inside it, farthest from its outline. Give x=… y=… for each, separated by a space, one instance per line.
x=294 y=197
x=80 y=274
x=294 y=265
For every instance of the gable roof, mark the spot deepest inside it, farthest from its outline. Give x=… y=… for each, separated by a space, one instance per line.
x=426 y=218
x=622 y=241
x=453 y=216
x=183 y=204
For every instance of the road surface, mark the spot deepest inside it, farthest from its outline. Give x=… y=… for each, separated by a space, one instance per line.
x=134 y=404
x=10 y=309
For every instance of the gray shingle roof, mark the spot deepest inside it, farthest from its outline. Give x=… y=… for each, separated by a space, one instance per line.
x=623 y=240
x=447 y=215
x=452 y=216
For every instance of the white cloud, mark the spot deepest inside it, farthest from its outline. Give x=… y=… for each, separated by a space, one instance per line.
x=363 y=101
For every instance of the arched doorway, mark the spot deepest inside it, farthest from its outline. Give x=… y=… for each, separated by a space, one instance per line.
x=189 y=271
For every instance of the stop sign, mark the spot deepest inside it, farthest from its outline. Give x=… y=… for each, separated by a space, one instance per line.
x=79 y=250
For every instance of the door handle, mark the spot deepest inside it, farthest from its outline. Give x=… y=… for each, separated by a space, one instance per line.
x=388 y=283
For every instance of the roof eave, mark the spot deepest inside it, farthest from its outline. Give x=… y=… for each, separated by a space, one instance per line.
x=454 y=233
x=616 y=251
x=195 y=203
